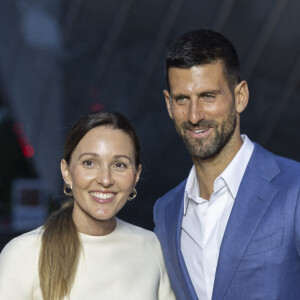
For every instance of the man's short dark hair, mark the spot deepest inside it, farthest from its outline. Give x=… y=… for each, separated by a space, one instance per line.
x=204 y=46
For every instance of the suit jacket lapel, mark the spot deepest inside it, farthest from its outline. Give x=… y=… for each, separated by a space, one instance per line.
x=253 y=199
x=174 y=215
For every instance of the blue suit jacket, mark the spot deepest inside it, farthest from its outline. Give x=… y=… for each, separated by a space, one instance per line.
x=259 y=254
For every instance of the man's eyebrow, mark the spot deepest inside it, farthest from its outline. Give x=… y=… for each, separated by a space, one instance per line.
x=214 y=92
x=177 y=96
x=203 y=93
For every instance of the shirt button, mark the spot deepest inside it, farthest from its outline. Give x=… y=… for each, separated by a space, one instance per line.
x=204 y=214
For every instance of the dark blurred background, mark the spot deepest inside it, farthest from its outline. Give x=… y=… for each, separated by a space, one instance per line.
x=61 y=58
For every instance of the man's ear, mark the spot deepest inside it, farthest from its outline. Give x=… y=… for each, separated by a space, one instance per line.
x=168 y=102
x=241 y=92
x=65 y=172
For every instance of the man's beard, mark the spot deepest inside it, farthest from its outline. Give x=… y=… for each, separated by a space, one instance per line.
x=205 y=149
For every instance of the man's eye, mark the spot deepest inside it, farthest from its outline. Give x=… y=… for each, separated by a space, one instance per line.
x=209 y=96
x=181 y=99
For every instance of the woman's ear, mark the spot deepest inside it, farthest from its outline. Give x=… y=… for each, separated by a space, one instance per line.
x=65 y=172
x=241 y=92
x=138 y=173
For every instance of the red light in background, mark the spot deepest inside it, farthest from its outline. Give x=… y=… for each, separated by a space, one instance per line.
x=27 y=149
x=22 y=141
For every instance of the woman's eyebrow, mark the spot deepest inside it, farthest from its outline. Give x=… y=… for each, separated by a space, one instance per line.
x=122 y=156
x=88 y=153
x=97 y=155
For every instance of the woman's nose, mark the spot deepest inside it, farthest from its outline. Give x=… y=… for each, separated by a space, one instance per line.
x=104 y=177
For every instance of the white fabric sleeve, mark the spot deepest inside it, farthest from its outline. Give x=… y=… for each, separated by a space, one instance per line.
x=165 y=291
x=18 y=268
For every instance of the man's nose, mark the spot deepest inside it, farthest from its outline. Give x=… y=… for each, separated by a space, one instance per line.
x=104 y=177
x=196 y=111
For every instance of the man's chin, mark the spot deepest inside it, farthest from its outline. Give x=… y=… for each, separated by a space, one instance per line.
x=194 y=150
x=203 y=151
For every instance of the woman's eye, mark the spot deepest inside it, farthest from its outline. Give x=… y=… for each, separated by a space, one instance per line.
x=120 y=165
x=88 y=163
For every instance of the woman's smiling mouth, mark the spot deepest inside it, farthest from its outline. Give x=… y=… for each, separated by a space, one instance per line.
x=102 y=197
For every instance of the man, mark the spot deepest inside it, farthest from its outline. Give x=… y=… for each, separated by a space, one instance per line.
x=231 y=230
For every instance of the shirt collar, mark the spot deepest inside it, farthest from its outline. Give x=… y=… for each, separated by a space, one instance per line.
x=237 y=167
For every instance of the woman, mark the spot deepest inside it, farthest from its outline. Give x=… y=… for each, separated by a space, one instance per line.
x=83 y=251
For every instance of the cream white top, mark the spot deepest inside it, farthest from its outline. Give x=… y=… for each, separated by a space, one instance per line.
x=126 y=264
x=204 y=222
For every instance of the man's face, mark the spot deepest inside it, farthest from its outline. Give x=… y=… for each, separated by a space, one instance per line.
x=204 y=109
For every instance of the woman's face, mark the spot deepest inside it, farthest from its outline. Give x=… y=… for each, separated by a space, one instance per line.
x=102 y=174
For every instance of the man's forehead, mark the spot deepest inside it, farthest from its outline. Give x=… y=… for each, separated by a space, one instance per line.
x=204 y=73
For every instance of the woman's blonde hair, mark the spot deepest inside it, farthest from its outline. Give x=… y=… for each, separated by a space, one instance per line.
x=60 y=240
